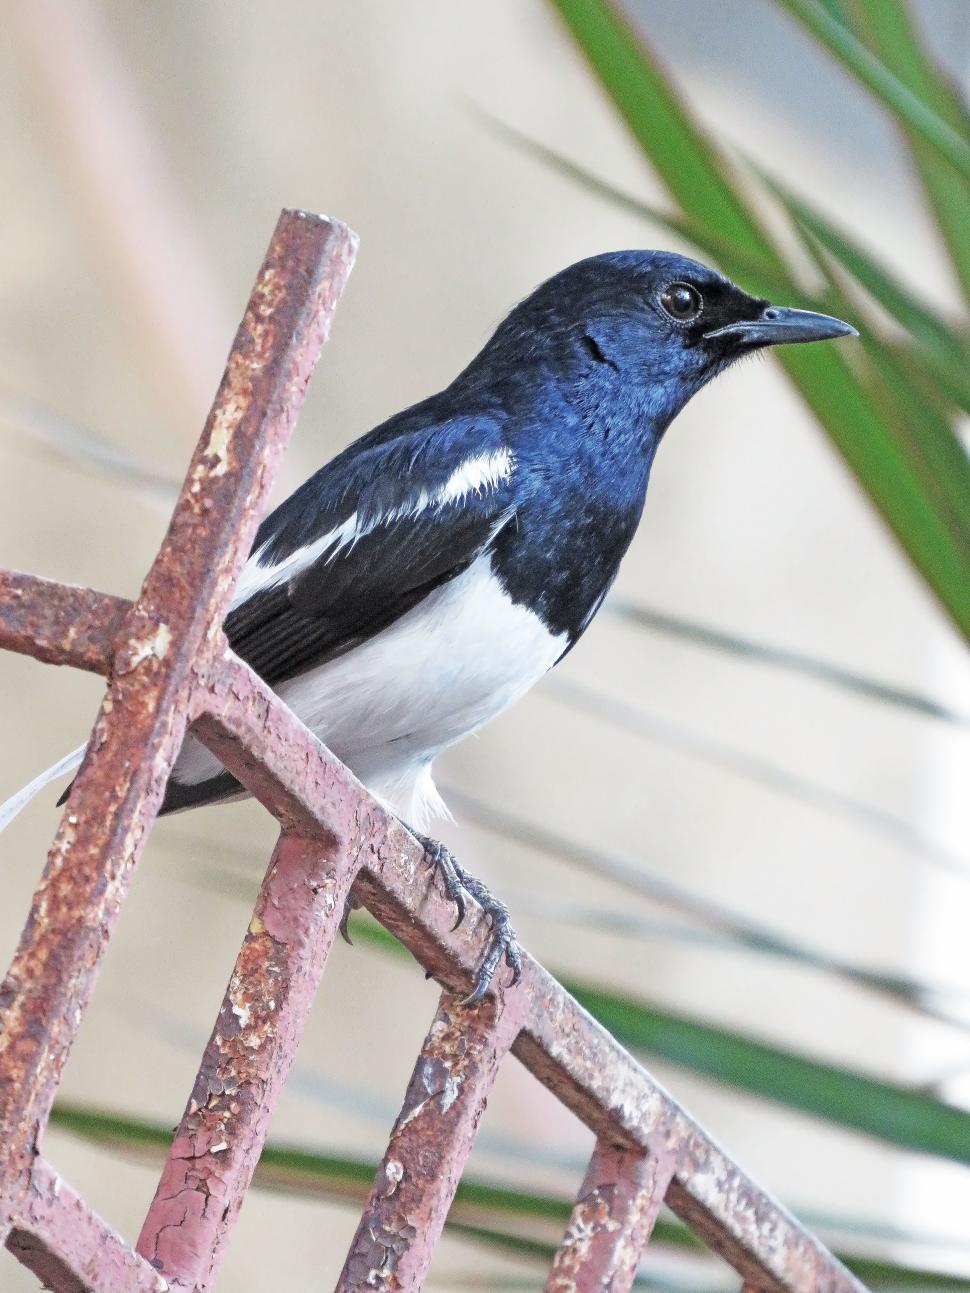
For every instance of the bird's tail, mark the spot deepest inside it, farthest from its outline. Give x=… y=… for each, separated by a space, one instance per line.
x=16 y=803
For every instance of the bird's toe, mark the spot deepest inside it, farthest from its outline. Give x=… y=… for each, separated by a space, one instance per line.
x=441 y=860
x=458 y=884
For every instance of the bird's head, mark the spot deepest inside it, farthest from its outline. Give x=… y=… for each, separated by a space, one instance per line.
x=655 y=324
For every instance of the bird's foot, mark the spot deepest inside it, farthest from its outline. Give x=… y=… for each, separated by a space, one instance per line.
x=459 y=885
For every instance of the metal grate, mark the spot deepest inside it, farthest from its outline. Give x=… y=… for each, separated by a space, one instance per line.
x=168 y=666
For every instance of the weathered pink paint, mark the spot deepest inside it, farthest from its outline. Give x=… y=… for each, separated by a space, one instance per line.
x=264 y=1012
x=159 y=659
x=60 y=624
x=69 y=1248
x=430 y=1143
x=616 y=1209
x=614 y=1095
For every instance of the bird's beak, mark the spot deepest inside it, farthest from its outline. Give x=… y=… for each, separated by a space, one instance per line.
x=778 y=324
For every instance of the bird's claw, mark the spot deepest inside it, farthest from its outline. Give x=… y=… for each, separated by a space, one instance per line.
x=349 y=906
x=504 y=944
x=441 y=859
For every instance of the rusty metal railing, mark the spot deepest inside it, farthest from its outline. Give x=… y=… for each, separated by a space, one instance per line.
x=168 y=666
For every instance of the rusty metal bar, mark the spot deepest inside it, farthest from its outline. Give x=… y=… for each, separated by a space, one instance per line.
x=299 y=780
x=611 y=1222
x=59 y=624
x=591 y=1073
x=263 y=1014
x=69 y=1248
x=303 y=783
x=731 y=1214
x=165 y=645
x=430 y=1143
x=559 y=1042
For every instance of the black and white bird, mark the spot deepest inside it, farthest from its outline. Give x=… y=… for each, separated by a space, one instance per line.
x=433 y=571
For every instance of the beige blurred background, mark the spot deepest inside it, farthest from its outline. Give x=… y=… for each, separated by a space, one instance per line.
x=147 y=150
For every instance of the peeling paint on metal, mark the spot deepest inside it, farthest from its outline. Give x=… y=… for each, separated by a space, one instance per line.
x=611 y=1222
x=156 y=654
x=432 y=1137
x=220 y=437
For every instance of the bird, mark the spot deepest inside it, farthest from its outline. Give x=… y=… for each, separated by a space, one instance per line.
x=426 y=577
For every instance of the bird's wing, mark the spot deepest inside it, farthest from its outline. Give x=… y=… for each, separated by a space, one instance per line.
x=365 y=540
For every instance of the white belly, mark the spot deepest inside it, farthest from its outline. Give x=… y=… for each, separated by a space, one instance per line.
x=388 y=707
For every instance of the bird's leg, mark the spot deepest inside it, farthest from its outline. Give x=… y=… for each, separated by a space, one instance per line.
x=459 y=884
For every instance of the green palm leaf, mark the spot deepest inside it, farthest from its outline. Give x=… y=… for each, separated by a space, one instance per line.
x=945 y=350
x=888 y=29
x=885 y=452
x=946 y=141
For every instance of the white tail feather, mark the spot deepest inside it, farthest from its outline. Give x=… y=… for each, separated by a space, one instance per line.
x=18 y=802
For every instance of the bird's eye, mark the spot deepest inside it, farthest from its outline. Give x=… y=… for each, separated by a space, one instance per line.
x=682 y=302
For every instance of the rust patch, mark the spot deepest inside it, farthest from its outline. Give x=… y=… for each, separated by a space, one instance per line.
x=431 y=1140
x=609 y=1227
x=156 y=653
